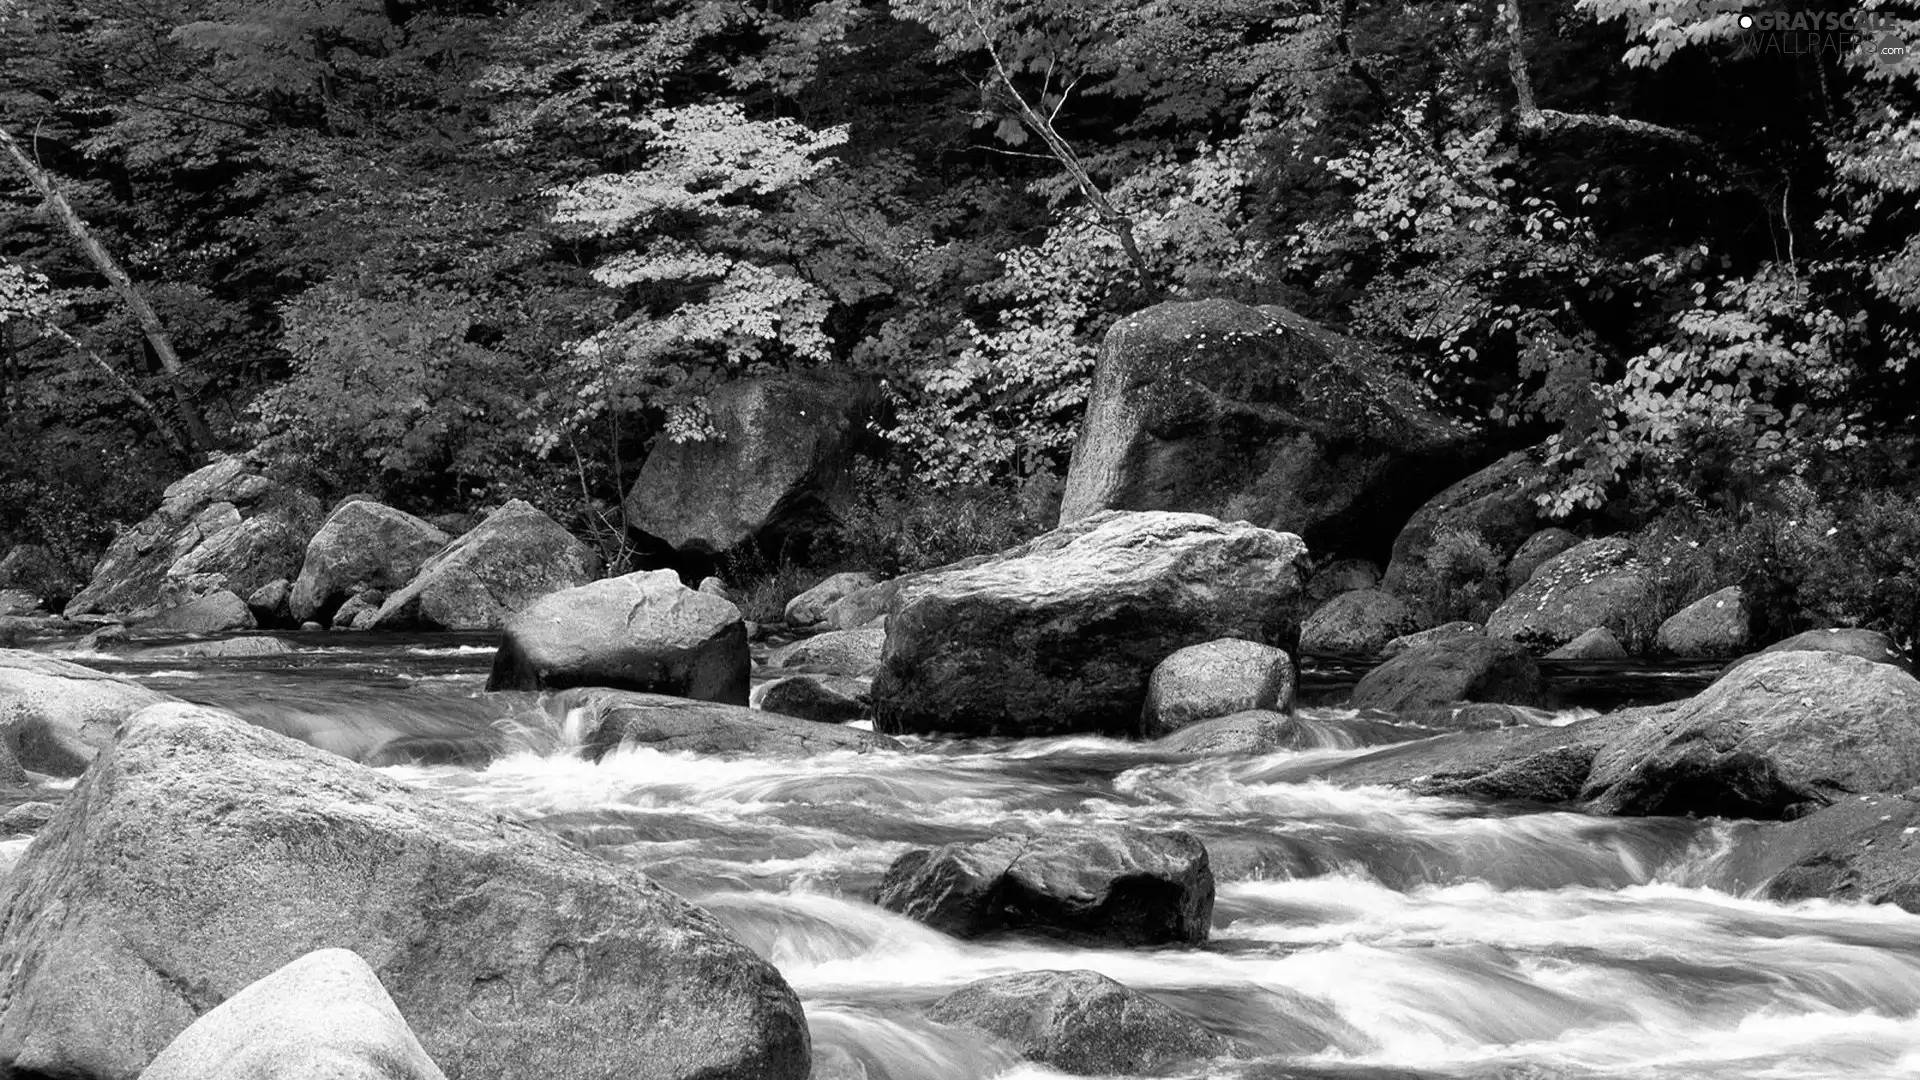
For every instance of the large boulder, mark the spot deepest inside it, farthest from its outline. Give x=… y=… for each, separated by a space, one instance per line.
x=514 y=557
x=1599 y=583
x=1120 y=886
x=201 y=854
x=603 y=721
x=863 y=606
x=1495 y=503
x=643 y=631
x=1718 y=624
x=54 y=716
x=1080 y=1023
x=1061 y=634
x=324 y=1016
x=776 y=462
x=1341 y=576
x=1460 y=668
x=1258 y=414
x=1862 y=849
x=222 y=527
x=811 y=606
x=363 y=546
x=1213 y=679
x=1358 y=623
x=1776 y=737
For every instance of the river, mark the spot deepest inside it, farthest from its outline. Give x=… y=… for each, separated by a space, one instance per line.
x=1358 y=933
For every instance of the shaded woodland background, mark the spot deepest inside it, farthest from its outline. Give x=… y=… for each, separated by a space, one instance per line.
x=455 y=253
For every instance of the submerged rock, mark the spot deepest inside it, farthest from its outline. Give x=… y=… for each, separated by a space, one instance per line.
x=54 y=715
x=1778 y=736
x=1451 y=669
x=643 y=631
x=1528 y=764
x=479 y=581
x=1081 y=1023
x=611 y=719
x=1062 y=634
x=200 y=854
x=1119 y=886
x=1255 y=731
x=1216 y=678
x=324 y=1015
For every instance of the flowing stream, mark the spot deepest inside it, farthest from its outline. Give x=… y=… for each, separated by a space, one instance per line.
x=1358 y=933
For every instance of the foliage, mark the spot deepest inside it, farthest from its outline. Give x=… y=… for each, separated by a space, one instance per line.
x=1462 y=578
x=897 y=525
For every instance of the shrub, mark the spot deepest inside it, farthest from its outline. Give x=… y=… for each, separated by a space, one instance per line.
x=1461 y=578
x=896 y=525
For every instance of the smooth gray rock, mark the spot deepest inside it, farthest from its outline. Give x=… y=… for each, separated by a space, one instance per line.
x=324 y=1016
x=1081 y=1023
x=828 y=699
x=1257 y=414
x=1598 y=583
x=810 y=607
x=1429 y=636
x=836 y=652
x=1451 y=669
x=1119 y=886
x=779 y=459
x=200 y=854
x=611 y=719
x=1597 y=643
x=642 y=631
x=364 y=546
x=1495 y=503
x=1777 y=737
x=55 y=715
x=1358 y=623
x=479 y=581
x=216 y=613
x=1213 y=679
x=1062 y=634
x=1718 y=624
x=1865 y=644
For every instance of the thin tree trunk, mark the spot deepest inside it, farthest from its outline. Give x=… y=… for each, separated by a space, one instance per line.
x=1111 y=216
x=199 y=437
x=1517 y=64
x=125 y=385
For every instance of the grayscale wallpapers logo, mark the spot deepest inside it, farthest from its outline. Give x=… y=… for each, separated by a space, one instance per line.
x=1869 y=33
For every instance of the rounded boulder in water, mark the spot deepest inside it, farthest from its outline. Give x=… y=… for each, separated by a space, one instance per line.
x=644 y=632
x=1121 y=886
x=1213 y=679
x=1080 y=1022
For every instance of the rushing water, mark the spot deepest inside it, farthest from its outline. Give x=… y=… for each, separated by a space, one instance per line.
x=1358 y=933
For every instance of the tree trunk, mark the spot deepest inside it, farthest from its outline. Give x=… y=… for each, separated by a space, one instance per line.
x=199 y=437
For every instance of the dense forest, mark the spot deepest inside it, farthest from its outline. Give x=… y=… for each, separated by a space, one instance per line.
x=454 y=253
